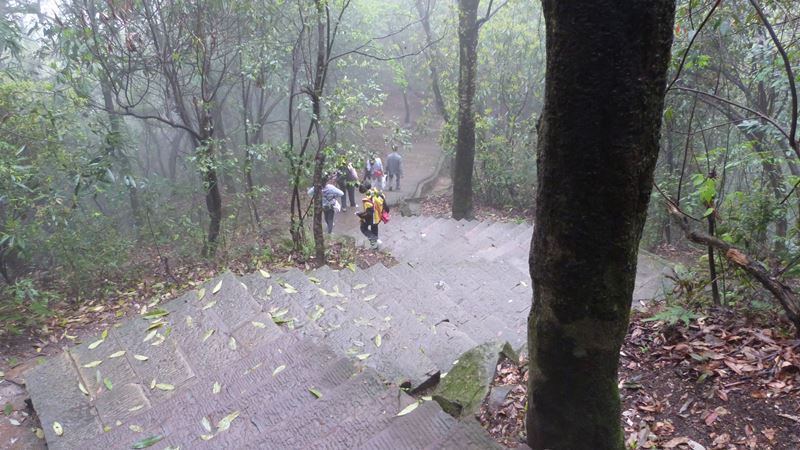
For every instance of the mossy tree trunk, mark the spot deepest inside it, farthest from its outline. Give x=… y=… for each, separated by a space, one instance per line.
x=598 y=145
x=468 y=28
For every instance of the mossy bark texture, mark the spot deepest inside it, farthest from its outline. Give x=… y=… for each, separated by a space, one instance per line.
x=598 y=145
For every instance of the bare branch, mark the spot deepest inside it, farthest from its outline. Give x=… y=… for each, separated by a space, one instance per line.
x=789 y=74
x=691 y=42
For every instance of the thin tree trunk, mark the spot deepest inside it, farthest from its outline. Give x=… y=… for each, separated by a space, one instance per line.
x=211 y=184
x=424 y=12
x=465 y=140
x=598 y=146
x=712 y=265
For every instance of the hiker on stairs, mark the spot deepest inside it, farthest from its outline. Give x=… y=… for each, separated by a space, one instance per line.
x=330 y=201
x=374 y=206
x=394 y=167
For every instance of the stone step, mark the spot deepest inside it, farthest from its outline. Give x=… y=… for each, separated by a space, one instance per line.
x=487 y=291
x=468 y=435
x=244 y=386
x=439 y=307
x=353 y=325
x=405 y=340
x=174 y=357
x=399 y=299
x=276 y=298
x=339 y=419
x=417 y=430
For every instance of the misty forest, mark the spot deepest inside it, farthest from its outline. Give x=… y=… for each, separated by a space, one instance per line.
x=400 y=224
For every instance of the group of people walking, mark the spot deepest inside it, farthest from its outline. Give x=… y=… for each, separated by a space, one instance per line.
x=374 y=208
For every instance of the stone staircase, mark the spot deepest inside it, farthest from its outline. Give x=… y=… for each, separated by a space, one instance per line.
x=291 y=360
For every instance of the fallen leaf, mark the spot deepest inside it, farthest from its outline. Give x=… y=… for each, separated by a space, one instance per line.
x=359 y=286
x=135 y=408
x=378 y=340
x=95 y=344
x=217 y=287
x=147 y=442
x=408 y=409
x=165 y=387
x=363 y=356
x=259 y=324
x=209 y=304
x=206 y=424
x=370 y=297
x=216 y=388
x=39 y=433
x=92 y=364
x=232 y=343
x=117 y=354
x=150 y=335
x=315 y=392
x=314 y=280
x=278 y=370
x=82 y=388
x=140 y=357
x=107 y=382
x=201 y=293
x=264 y=273
x=136 y=428
x=769 y=433
x=208 y=334
x=14 y=422
x=58 y=429
x=156 y=313
x=226 y=421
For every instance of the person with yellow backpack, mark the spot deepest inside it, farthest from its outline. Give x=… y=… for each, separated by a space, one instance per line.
x=374 y=211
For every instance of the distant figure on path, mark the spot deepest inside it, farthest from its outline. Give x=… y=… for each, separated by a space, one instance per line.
x=378 y=175
x=374 y=204
x=330 y=201
x=394 y=168
x=347 y=179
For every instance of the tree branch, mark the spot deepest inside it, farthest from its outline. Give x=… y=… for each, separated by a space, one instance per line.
x=789 y=74
x=783 y=293
x=691 y=42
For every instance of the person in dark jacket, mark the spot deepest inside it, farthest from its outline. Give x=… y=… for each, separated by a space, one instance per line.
x=347 y=179
x=394 y=168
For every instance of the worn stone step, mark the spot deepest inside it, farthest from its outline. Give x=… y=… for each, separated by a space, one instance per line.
x=430 y=238
x=417 y=430
x=244 y=386
x=341 y=418
x=404 y=340
x=513 y=244
x=468 y=435
x=486 y=291
x=275 y=299
x=446 y=342
x=439 y=306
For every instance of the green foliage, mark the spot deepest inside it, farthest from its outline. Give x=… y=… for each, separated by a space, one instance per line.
x=674 y=314
x=24 y=305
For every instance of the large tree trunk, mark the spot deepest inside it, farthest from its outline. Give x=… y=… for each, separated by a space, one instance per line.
x=598 y=145
x=465 y=141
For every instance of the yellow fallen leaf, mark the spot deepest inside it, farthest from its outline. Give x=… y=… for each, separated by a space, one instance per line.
x=94 y=344
x=264 y=273
x=140 y=357
x=278 y=370
x=117 y=354
x=83 y=389
x=217 y=287
x=216 y=388
x=408 y=409
x=59 y=430
x=92 y=364
x=165 y=387
x=201 y=293
x=259 y=324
